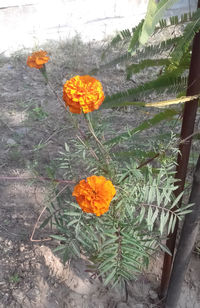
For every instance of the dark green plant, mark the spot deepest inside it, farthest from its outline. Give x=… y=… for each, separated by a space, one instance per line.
x=171 y=55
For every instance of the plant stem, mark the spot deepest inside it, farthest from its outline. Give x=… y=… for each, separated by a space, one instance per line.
x=100 y=145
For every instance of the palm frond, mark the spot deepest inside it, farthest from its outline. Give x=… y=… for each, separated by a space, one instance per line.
x=175 y=20
x=137 y=67
x=152 y=50
x=134 y=42
x=123 y=36
x=190 y=30
x=167 y=83
x=159 y=117
x=154 y=13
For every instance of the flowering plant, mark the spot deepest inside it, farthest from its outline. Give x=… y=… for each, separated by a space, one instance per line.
x=118 y=213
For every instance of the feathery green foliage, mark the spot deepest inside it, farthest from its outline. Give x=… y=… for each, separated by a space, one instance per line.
x=190 y=30
x=120 y=242
x=154 y=13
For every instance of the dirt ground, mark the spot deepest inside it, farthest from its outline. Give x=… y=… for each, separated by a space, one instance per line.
x=33 y=129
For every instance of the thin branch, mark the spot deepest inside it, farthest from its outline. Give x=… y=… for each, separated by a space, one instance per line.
x=148 y=161
x=162 y=208
x=189 y=137
x=35 y=178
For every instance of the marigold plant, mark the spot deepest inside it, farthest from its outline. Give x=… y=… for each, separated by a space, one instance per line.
x=83 y=94
x=94 y=194
x=131 y=229
x=37 y=59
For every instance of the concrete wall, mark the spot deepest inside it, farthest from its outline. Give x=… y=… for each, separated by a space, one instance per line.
x=31 y=22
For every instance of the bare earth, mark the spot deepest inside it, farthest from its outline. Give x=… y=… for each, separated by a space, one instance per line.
x=30 y=274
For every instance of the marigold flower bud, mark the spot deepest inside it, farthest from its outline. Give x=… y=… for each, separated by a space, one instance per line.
x=37 y=59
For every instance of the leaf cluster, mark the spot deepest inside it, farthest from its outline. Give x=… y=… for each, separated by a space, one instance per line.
x=120 y=242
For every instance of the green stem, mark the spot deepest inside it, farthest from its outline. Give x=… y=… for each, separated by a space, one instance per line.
x=83 y=138
x=100 y=145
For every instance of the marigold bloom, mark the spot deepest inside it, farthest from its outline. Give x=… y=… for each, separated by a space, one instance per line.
x=37 y=59
x=94 y=194
x=83 y=94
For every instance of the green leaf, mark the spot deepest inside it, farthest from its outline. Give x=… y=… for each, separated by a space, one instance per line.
x=164 y=115
x=149 y=216
x=136 y=68
x=163 y=220
x=189 y=32
x=75 y=249
x=168 y=82
x=154 y=217
x=110 y=277
x=142 y=213
x=72 y=222
x=66 y=147
x=59 y=237
x=172 y=217
x=134 y=43
x=59 y=248
x=107 y=267
x=165 y=248
x=66 y=255
x=176 y=201
x=45 y=222
x=154 y=13
x=134 y=153
x=123 y=104
x=71 y=213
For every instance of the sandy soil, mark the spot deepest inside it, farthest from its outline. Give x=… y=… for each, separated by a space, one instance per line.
x=30 y=274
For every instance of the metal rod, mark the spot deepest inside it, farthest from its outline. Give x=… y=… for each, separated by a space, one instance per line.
x=186 y=243
x=189 y=115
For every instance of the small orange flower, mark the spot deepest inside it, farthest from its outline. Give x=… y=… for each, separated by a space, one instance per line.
x=94 y=194
x=37 y=59
x=83 y=94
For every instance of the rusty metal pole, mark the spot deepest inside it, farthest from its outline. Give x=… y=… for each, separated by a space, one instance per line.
x=189 y=115
x=186 y=243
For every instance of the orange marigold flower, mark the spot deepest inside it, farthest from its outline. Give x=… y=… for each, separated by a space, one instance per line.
x=37 y=59
x=94 y=194
x=83 y=94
